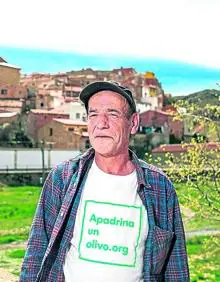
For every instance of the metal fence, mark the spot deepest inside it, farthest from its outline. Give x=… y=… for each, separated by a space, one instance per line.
x=17 y=160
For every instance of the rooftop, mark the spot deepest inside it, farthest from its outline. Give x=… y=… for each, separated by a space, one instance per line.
x=157 y=112
x=40 y=111
x=7 y=115
x=70 y=121
x=2 y=60
x=9 y=66
x=180 y=148
x=67 y=107
x=11 y=103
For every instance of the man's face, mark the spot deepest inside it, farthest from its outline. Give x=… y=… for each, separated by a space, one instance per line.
x=109 y=127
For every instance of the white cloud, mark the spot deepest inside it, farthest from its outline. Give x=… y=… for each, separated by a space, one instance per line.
x=186 y=30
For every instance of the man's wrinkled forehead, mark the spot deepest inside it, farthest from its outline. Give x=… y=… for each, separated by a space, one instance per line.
x=105 y=96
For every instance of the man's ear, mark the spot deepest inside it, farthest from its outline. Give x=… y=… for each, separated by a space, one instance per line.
x=135 y=119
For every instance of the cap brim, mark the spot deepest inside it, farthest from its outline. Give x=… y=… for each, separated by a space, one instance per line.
x=98 y=86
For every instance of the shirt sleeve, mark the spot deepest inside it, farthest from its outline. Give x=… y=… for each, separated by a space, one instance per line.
x=177 y=265
x=42 y=226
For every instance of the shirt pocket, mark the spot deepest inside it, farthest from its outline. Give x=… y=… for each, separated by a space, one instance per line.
x=161 y=243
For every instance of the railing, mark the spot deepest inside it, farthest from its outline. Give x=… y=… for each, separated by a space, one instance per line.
x=23 y=170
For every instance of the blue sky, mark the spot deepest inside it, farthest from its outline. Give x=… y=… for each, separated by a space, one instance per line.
x=177 y=39
x=177 y=78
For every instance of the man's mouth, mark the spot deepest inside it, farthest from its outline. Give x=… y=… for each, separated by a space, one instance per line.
x=103 y=136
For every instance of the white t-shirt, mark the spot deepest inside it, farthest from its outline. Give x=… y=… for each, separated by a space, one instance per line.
x=110 y=231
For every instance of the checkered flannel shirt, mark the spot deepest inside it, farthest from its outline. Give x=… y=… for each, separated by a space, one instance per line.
x=165 y=257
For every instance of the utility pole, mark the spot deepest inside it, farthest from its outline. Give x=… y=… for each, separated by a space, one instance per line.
x=43 y=159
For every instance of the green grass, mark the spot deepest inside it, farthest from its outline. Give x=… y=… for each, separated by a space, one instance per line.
x=18 y=204
x=6 y=239
x=17 y=207
x=18 y=253
x=198 y=223
x=204 y=258
x=186 y=197
x=12 y=260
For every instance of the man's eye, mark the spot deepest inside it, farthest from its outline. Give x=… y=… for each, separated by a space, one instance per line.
x=92 y=115
x=114 y=115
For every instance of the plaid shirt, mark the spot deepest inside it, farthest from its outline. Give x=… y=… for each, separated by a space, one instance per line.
x=165 y=256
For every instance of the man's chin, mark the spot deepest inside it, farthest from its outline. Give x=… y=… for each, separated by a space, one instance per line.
x=105 y=150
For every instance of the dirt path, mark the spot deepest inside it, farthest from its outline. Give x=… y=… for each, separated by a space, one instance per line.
x=14 y=245
x=191 y=234
x=5 y=276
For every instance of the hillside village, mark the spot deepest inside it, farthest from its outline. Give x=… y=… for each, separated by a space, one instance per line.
x=47 y=107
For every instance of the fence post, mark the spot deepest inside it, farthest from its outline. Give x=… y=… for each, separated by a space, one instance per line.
x=43 y=159
x=15 y=159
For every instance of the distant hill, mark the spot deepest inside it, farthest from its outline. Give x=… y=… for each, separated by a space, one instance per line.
x=208 y=96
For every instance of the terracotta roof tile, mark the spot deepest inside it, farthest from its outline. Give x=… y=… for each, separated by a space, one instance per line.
x=11 y=103
x=174 y=148
x=39 y=111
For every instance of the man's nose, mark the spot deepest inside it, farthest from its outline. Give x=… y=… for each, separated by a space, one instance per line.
x=102 y=121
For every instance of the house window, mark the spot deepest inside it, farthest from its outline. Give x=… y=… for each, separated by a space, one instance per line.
x=51 y=132
x=75 y=94
x=4 y=91
x=70 y=129
x=158 y=130
x=42 y=105
x=148 y=130
x=87 y=144
x=77 y=115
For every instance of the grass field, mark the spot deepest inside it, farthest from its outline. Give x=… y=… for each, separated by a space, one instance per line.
x=17 y=207
x=204 y=262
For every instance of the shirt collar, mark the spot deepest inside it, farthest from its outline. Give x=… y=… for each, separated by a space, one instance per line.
x=140 y=174
x=89 y=155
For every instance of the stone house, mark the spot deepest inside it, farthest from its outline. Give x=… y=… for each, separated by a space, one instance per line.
x=7 y=118
x=155 y=120
x=156 y=128
x=12 y=95
x=76 y=111
x=152 y=92
x=12 y=105
x=9 y=74
x=38 y=118
x=50 y=98
x=64 y=134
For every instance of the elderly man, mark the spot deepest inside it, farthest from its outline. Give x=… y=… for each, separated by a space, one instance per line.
x=107 y=216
